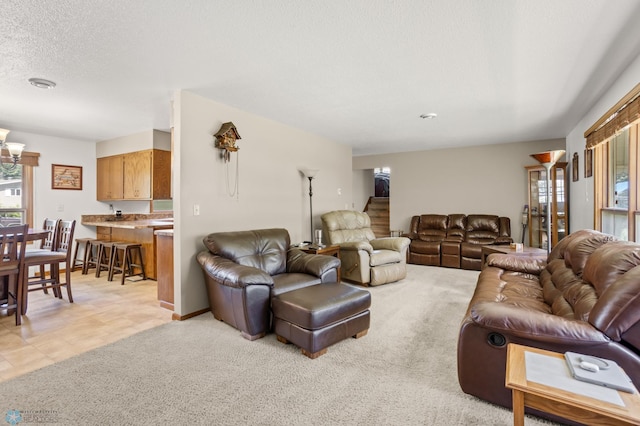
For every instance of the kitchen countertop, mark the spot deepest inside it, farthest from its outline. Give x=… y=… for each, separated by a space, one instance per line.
x=164 y=232
x=132 y=224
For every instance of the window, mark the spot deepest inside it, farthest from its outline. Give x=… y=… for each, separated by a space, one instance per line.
x=16 y=190
x=615 y=212
x=616 y=153
x=11 y=209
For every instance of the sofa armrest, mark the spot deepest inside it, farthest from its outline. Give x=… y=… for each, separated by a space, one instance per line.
x=312 y=264
x=411 y=235
x=390 y=243
x=356 y=245
x=231 y=274
x=525 y=264
x=534 y=325
x=503 y=240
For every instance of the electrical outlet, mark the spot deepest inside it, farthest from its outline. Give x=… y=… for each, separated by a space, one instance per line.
x=339 y=191
x=196 y=209
x=60 y=207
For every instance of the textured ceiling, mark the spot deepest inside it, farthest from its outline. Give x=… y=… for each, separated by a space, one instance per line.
x=360 y=72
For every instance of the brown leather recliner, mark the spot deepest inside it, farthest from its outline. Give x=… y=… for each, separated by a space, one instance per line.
x=584 y=297
x=244 y=269
x=427 y=233
x=482 y=229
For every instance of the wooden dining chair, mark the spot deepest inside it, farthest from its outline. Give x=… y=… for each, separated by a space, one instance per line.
x=46 y=243
x=59 y=253
x=12 y=248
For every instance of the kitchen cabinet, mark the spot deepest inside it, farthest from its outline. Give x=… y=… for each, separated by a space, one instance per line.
x=140 y=175
x=165 y=267
x=537 y=207
x=109 y=172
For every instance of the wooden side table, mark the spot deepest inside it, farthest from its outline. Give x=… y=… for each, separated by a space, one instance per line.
x=326 y=250
x=561 y=402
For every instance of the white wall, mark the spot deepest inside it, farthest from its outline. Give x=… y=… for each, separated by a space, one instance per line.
x=363 y=188
x=148 y=139
x=272 y=192
x=62 y=203
x=489 y=179
x=581 y=193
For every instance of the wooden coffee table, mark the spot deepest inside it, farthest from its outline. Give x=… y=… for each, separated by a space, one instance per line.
x=561 y=402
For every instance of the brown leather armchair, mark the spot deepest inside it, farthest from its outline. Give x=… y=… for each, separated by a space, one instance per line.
x=244 y=269
x=365 y=259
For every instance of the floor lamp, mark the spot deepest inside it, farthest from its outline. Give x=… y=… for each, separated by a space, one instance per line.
x=548 y=159
x=310 y=174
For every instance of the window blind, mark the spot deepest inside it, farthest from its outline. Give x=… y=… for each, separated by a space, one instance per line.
x=624 y=113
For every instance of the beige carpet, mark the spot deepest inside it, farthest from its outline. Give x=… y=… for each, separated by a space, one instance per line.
x=201 y=371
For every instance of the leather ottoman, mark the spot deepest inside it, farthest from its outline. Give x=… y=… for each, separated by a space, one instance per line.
x=314 y=318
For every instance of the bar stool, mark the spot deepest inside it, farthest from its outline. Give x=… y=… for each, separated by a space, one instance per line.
x=85 y=244
x=122 y=261
x=91 y=256
x=104 y=257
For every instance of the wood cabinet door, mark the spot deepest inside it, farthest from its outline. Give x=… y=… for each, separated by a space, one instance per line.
x=109 y=178
x=137 y=175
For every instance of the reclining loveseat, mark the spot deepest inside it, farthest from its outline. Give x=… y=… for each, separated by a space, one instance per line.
x=583 y=297
x=455 y=240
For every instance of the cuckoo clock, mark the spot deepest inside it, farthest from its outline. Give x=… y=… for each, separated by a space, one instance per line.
x=226 y=139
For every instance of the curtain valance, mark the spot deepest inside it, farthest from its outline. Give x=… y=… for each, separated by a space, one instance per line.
x=625 y=112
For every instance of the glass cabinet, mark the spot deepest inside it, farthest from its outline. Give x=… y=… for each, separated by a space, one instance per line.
x=537 y=207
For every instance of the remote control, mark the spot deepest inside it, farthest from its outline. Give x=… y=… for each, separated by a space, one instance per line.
x=589 y=366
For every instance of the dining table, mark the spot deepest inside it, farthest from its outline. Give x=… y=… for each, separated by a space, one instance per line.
x=32 y=235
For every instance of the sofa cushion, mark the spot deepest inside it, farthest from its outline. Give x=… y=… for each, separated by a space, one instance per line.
x=384 y=257
x=578 y=250
x=457 y=227
x=283 y=283
x=483 y=222
x=617 y=313
x=265 y=249
x=425 y=247
x=482 y=229
x=432 y=227
x=345 y=226
x=609 y=262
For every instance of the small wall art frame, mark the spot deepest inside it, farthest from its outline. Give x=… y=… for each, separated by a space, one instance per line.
x=66 y=177
x=588 y=163
x=575 y=167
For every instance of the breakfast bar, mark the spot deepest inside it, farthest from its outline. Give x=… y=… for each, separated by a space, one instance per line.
x=135 y=228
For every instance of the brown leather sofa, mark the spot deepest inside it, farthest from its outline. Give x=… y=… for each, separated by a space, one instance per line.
x=584 y=297
x=455 y=240
x=244 y=269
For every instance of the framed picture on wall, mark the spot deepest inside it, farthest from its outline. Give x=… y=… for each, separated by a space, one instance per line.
x=575 y=167
x=66 y=177
x=588 y=163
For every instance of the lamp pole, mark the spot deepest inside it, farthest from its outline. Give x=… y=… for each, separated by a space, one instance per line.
x=310 y=174
x=310 y=207
x=547 y=166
